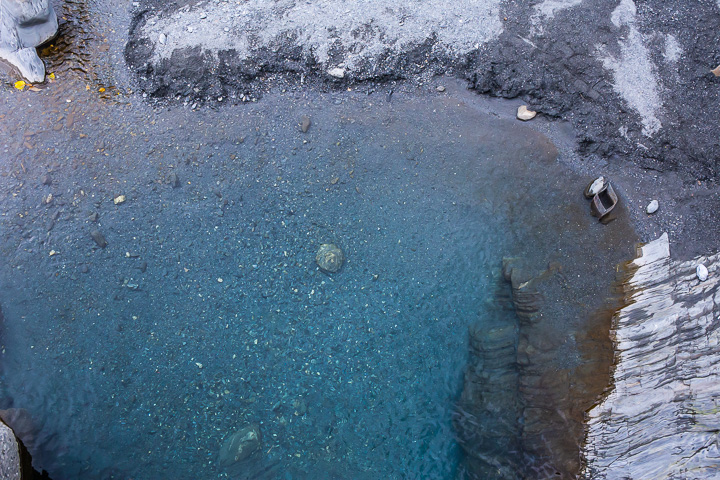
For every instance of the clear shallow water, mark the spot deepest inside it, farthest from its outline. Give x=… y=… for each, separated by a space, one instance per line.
x=206 y=312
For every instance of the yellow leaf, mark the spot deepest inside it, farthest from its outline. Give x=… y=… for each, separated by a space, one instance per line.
x=20 y=84
x=51 y=76
x=101 y=89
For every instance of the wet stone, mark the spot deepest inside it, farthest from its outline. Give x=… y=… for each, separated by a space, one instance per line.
x=173 y=180
x=305 y=123
x=93 y=217
x=329 y=257
x=46 y=179
x=240 y=446
x=99 y=238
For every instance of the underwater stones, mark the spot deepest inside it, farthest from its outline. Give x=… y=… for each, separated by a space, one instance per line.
x=99 y=238
x=702 y=272
x=652 y=207
x=524 y=114
x=240 y=446
x=24 y=25
x=329 y=257
x=9 y=454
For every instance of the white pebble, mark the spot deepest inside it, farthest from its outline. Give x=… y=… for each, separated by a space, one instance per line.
x=524 y=114
x=162 y=39
x=596 y=186
x=702 y=272
x=337 y=72
x=652 y=207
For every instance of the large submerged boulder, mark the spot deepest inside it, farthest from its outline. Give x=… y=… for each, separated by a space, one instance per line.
x=24 y=25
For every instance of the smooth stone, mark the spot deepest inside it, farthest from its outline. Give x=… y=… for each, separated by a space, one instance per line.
x=702 y=272
x=440 y=88
x=162 y=39
x=173 y=180
x=329 y=257
x=305 y=123
x=239 y=446
x=337 y=72
x=652 y=207
x=594 y=187
x=99 y=238
x=524 y=114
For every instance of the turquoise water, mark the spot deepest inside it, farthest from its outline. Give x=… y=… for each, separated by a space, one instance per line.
x=206 y=312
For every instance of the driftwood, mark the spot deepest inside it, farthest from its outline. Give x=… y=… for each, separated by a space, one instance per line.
x=661 y=420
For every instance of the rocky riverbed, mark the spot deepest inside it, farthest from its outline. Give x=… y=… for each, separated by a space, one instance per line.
x=168 y=188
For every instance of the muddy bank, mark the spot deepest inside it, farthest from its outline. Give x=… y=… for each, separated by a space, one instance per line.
x=634 y=79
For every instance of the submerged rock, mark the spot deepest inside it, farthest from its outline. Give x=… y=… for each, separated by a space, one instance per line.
x=329 y=257
x=240 y=446
x=99 y=238
x=24 y=25
x=305 y=123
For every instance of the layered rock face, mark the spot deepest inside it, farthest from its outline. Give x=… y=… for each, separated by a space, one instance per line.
x=662 y=417
x=24 y=25
x=522 y=410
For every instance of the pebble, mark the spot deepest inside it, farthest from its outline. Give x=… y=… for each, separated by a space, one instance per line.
x=337 y=72
x=119 y=199
x=93 y=217
x=594 y=187
x=716 y=71
x=305 y=123
x=162 y=39
x=329 y=257
x=239 y=446
x=84 y=268
x=652 y=207
x=440 y=88
x=702 y=272
x=524 y=114
x=99 y=238
x=46 y=179
x=173 y=180
x=203 y=16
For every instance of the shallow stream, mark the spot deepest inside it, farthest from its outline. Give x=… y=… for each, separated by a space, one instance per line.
x=206 y=311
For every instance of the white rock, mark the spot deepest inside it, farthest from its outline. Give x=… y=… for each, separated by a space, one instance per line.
x=596 y=186
x=524 y=114
x=440 y=88
x=702 y=272
x=652 y=207
x=162 y=39
x=337 y=72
